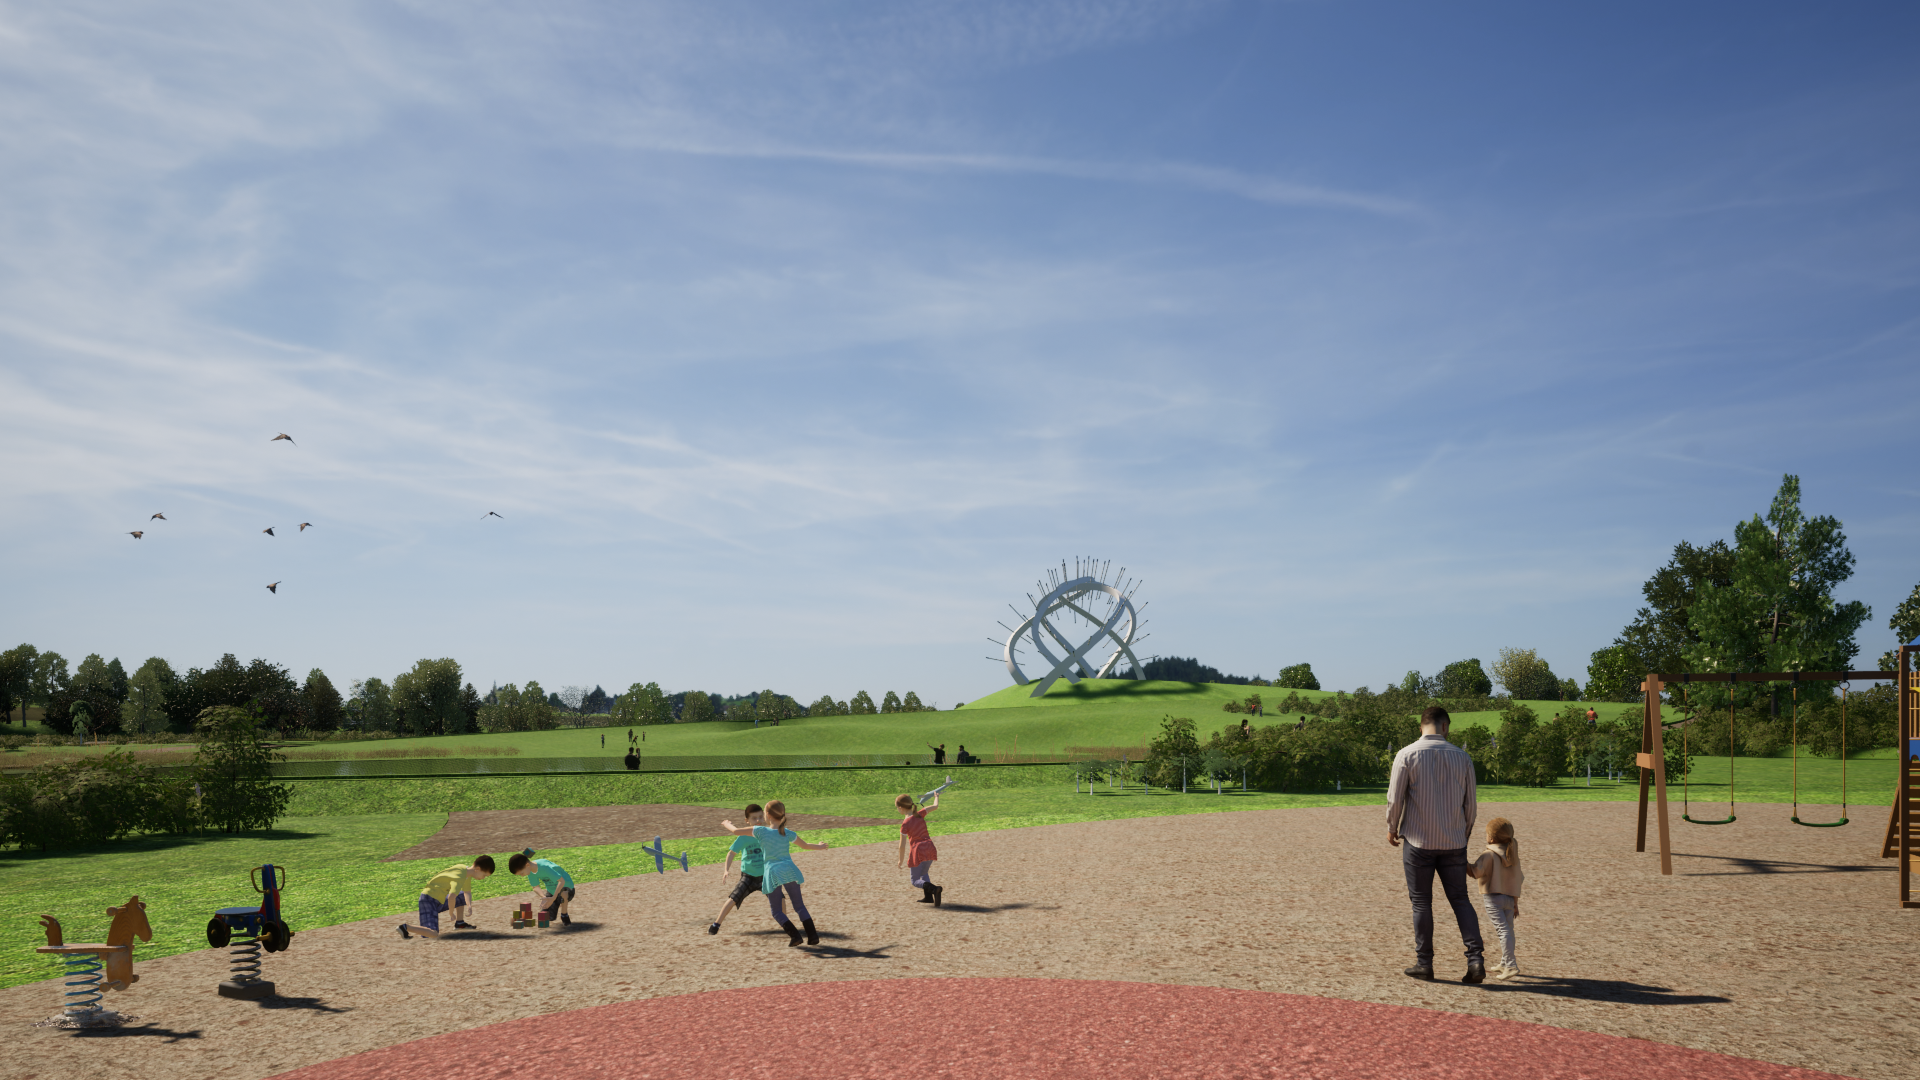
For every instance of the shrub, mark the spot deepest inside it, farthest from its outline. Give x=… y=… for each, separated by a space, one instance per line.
x=233 y=771
x=92 y=801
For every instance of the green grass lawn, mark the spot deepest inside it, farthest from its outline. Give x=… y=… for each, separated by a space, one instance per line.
x=1007 y=725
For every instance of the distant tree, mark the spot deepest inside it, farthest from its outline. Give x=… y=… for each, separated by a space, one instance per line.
x=1569 y=690
x=861 y=705
x=554 y=700
x=1298 y=677
x=826 y=706
x=641 y=706
x=1661 y=632
x=428 y=699
x=1526 y=676
x=1465 y=678
x=595 y=702
x=80 y=718
x=117 y=680
x=517 y=709
x=1614 y=673
x=375 y=700
x=235 y=771
x=697 y=709
x=911 y=703
x=470 y=704
x=1188 y=669
x=16 y=680
x=49 y=677
x=1777 y=611
x=1905 y=625
x=323 y=701
x=1174 y=755
x=94 y=683
x=890 y=703
x=573 y=697
x=147 y=692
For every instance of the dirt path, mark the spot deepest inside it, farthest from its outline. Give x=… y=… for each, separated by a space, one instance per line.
x=503 y=832
x=1772 y=942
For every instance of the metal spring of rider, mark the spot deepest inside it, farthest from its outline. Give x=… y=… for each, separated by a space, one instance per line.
x=245 y=960
x=83 y=971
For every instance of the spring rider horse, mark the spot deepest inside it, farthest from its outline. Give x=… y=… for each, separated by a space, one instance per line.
x=81 y=1004
x=259 y=927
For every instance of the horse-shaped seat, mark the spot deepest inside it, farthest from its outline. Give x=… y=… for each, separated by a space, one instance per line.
x=129 y=922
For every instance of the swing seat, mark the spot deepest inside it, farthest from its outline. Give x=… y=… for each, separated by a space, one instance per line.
x=1728 y=820
x=1819 y=824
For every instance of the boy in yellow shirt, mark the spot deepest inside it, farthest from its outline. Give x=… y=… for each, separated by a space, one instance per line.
x=450 y=888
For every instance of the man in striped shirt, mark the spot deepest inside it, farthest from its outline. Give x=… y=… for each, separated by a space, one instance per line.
x=1430 y=805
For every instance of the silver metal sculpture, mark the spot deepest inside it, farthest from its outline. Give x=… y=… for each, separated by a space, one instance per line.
x=1067 y=597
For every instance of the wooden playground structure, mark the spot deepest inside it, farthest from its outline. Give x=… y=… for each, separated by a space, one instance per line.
x=1903 y=823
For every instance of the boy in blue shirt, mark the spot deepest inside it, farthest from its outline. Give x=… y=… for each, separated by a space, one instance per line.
x=753 y=863
x=547 y=878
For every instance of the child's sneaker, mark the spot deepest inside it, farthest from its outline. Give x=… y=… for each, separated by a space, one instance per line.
x=713 y=928
x=566 y=919
x=1505 y=971
x=403 y=932
x=460 y=924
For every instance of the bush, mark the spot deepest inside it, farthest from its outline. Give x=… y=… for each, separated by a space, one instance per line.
x=1465 y=678
x=92 y=801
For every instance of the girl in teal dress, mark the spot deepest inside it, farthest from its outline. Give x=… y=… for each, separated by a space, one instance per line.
x=781 y=881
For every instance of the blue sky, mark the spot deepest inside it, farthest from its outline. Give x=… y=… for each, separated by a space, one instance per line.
x=794 y=341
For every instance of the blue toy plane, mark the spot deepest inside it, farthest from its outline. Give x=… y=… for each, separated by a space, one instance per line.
x=660 y=856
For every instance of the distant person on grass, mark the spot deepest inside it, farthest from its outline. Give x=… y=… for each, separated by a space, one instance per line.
x=450 y=888
x=917 y=852
x=782 y=879
x=939 y=753
x=1431 y=804
x=753 y=865
x=549 y=882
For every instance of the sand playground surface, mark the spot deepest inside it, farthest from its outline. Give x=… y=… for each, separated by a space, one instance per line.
x=1263 y=943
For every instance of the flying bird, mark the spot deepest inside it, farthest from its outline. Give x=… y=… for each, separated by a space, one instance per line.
x=161 y=517
x=492 y=514
x=305 y=525
x=274 y=588
x=283 y=435
x=268 y=530
x=135 y=534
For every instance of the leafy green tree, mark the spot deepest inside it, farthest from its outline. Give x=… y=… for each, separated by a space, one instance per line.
x=1614 y=673
x=49 y=677
x=428 y=698
x=861 y=705
x=147 y=692
x=16 y=680
x=517 y=709
x=1905 y=625
x=1465 y=678
x=1660 y=634
x=323 y=710
x=890 y=703
x=697 y=709
x=375 y=701
x=1174 y=755
x=911 y=703
x=1298 y=677
x=642 y=705
x=1526 y=676
x=234 y=771
x=826 y=706
x=1777 y=611
x=80 y=718
x=768 y=705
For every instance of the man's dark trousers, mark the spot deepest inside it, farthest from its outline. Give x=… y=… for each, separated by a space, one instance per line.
x=1420 y=865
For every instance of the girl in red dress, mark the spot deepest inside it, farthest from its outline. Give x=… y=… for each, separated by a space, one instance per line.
x=916 y=847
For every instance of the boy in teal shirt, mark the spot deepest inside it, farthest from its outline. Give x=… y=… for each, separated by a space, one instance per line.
x=547 y=878
x=753 y=865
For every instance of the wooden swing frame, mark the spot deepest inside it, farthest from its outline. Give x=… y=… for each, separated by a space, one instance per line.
x=1903 y=828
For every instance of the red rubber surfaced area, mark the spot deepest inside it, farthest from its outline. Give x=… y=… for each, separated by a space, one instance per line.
x=1027 y=1028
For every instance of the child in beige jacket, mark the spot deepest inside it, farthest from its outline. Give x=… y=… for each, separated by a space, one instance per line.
x=1500 y=876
